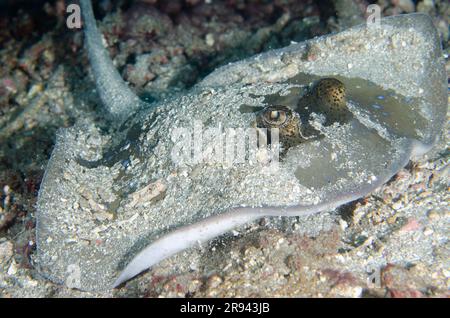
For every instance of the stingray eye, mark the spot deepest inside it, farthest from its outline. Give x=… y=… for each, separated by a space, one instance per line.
x=330 y=90
x=276 y=115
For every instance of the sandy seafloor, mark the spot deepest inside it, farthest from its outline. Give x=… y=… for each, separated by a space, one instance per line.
x=400 y=232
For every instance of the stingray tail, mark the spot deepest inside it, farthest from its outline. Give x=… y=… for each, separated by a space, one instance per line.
x=119 y=100
x=185 y=237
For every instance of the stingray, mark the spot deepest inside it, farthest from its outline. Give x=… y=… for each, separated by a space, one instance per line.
x=344 y=112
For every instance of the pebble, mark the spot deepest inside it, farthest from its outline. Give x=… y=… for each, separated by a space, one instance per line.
x=214 y=281
x=35 y=89
x=427 y=231
x=412 y=225
x=6 y=251
x=433 y=215
x=194 y=285
x=150 y=192
x=343 y=224
x=103 y=216
x=397 y=205
x=209 y=39
x=12 y=270
x=31 y=283
x=446 y=273
x=406 y=5
x=392 y=219
x=6 y=189
x=347 y=291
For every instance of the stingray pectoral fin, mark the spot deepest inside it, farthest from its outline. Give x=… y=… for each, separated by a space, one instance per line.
x=119 y=100
x=410 y=149
x=185 y=237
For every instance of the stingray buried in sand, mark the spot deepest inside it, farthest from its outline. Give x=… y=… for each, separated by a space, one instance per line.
x=151 y=208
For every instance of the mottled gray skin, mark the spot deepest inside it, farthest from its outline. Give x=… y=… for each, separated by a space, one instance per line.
x=105 y=197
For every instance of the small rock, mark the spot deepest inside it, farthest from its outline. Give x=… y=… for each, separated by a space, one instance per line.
x=426 y=6
x=392 y=219
x=6 y=189
x=343 y=224
x=427 y=231
x=9 y=85
x=446 y=273
x=346 y=291
x=6 y=251
x=151 y=192
x=395 y=293
x=214 y=281
x=397 y=205
x=35 y=89
x=32 y=283
x=12 y=270
x=411 y=225
x=103 y=216
x=433 y=215
x=194 y=285
x=406 y=5
x=209 y=39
